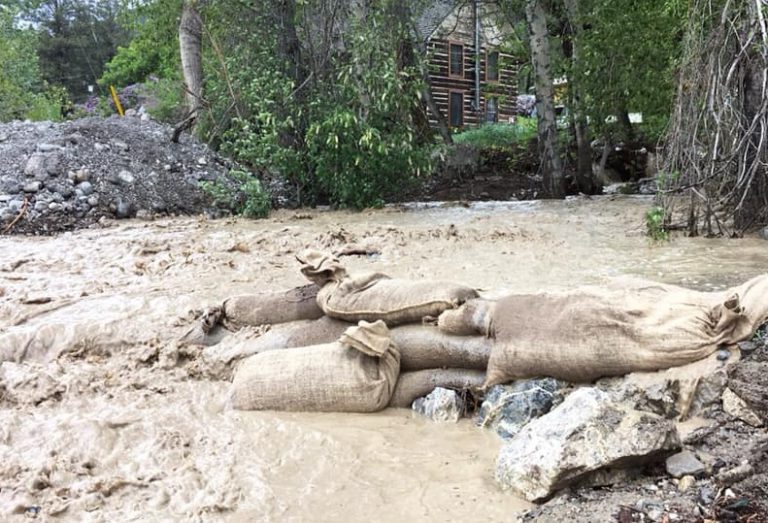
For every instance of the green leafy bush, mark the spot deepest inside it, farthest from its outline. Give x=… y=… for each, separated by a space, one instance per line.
x=164 y=99
x=654 y=222
x=499 y=135
x=246 y=196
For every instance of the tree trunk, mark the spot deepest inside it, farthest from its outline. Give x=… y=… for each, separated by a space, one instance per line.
x=549 y=155
x=584 y=175
x=289 y=52
x=191 y=49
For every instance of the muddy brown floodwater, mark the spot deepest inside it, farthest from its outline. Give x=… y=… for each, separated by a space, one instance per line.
x=104 y=418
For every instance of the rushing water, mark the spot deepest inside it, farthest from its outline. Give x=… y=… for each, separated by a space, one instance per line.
x=108 y=420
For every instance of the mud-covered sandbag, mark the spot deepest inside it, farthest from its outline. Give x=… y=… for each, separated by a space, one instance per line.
x=412 y=385
x=423 y=347
x=376 y=296
x=270 y=308
x=593 y=332
x=355 y=374
x=474 y=317
x=420 y=346
x=302 y=333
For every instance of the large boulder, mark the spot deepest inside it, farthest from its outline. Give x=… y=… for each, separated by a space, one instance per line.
x=586 y=433
x=509 y=408
x=694 y=389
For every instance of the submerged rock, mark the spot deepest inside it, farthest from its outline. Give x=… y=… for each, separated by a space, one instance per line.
x=441 y=405
x=509 y=408
x=587 y=432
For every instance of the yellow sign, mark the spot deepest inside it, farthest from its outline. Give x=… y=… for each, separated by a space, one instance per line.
x=116 y=100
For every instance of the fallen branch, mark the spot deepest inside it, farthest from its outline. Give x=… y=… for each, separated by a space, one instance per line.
x=21 y=214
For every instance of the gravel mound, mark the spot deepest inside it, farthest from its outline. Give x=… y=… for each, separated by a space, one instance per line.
x=62 y=176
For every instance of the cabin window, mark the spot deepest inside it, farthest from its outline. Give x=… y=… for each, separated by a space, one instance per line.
x=492 y=110
x=492 y=66
x=456 y=109
x=456 y=60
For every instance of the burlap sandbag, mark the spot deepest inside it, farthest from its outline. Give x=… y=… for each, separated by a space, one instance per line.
x=474 y=317
x=420 y=346
x=375 y=296
x=412 y=385
x=590 y=333
x=355 y=374
x=269 y=308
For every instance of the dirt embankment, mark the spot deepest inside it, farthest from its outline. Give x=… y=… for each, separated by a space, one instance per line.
x=62 y=176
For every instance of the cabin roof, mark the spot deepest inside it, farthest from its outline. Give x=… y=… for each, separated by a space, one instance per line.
x=433 y=16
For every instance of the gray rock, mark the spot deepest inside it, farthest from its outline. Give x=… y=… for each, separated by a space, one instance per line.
x=40 y=206
x=123 y=209
x=509 y=408
x=709 y=392
x=440 y=405
x=652 y=508
x=48 y=147
x=3 y=137
x=93 y=201
x=35 y=167
x=684 y=463
x=101 y=147
x=7 y=197
x=53 y=206
x=125 y=177
x=660 y=397
x=738 y=408
x=81 y=175
x=33 y=186
x=86 y=188
x=587 y=432
x=11 y=186
x=764 y=233
x=706 y=495
x=120 y=145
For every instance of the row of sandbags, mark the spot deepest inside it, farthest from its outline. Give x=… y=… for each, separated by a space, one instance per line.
x=336 y=364
x=576 y=336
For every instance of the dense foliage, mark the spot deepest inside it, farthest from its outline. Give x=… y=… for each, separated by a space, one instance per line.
x=340 y=129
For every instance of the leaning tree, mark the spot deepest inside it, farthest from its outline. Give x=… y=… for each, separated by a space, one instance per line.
x=715 y=169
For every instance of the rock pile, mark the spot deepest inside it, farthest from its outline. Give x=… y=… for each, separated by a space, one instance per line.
x=63 y=176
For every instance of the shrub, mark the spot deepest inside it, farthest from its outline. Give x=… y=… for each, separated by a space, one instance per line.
x=247 y=197
x=654 y=222
x=499 y=135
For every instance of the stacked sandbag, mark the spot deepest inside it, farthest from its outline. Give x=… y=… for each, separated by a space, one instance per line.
x=472 y=318
x=270 y=308
x=355 y=374
x=594 y=332
x=412 y=385
x=375 y=296
x=421 y=346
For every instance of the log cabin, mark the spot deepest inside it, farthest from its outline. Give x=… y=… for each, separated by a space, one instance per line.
x=452 y=31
